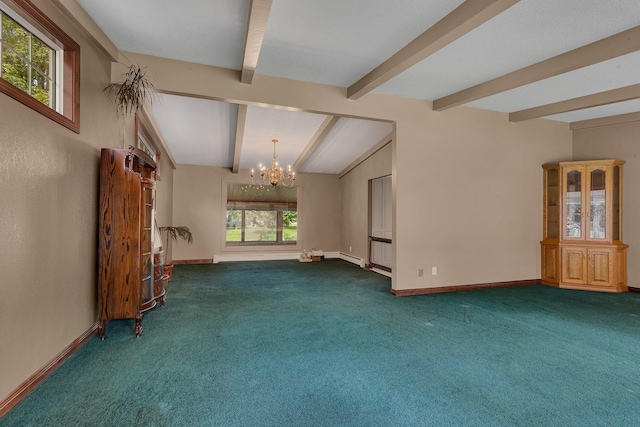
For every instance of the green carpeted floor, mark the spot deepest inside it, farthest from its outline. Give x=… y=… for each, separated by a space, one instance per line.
x=324 y=344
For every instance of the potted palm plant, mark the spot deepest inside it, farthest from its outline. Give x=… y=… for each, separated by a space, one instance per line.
x=173 y=233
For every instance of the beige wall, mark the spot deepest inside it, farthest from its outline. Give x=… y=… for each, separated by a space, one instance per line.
x=354 y=229
x=48 y=220
x=468 y=196
x=200 y=203
x=619 y=142
x=321 y=198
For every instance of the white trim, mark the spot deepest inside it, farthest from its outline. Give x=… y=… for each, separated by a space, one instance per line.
x=254 y=256
x=353 y=259
x=263 y=256
x=382 y=272
x=148 y=147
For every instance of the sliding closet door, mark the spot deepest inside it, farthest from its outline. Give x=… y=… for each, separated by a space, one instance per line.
x=381 y=221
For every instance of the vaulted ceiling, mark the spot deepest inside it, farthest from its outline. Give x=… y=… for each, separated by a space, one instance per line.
x=571 y=60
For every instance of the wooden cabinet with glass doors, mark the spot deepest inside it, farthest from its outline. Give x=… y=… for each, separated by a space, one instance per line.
x=129 y=246
x=582 y=243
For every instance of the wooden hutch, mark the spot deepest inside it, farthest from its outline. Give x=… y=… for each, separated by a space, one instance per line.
x=130 y=255
x=582 y=216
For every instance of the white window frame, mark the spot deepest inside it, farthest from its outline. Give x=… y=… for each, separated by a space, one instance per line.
x=145 y=146
x=279 y=228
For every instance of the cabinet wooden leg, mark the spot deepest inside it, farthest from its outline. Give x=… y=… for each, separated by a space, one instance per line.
x=138 y=326
x=101 y=330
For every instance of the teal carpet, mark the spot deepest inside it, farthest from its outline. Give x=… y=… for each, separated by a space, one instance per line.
x=324 y=344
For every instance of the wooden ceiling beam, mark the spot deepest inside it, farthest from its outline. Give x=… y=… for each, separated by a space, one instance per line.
x=315 y=141
x=259 y=11
x=240 y=125
x=468 y=16
x=588 y=101
x=606 y=121
x=611 y=47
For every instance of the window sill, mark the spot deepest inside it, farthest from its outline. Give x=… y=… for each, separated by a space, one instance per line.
x=260 y=244
x=34 y=104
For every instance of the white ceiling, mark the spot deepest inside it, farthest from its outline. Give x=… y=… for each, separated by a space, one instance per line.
x=337 y=42
x=198 y=131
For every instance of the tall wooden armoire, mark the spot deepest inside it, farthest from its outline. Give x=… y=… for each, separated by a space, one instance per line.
x=582 y=226
x=128 y=282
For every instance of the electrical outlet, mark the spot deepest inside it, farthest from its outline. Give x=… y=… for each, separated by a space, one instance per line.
x=350 y=248
x=420 y=272
x=434 y=271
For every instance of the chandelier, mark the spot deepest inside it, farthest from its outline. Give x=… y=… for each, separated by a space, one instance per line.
x=274 y=174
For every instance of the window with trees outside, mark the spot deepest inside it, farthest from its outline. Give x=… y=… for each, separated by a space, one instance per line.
x=39 y=63
x=261 y=215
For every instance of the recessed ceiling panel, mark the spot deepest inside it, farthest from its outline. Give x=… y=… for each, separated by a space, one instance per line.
x=345 y=143
x=206 y=32
x=197 y=131
x=526 y=33
x=337 y=42
x=292 y=129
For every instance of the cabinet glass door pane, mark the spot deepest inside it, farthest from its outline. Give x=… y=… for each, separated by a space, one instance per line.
x=574 y=196
x=597 y=218
x=553 y=227
x=616 y=203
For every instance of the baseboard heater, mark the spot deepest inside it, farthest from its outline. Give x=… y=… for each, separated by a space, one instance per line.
x=353 y=259
x=264 y=256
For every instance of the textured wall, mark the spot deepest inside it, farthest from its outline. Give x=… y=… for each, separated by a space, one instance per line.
x=48 y=220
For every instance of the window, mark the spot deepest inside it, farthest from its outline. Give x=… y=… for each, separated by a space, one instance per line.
x=147 y=143
x=28 y=63
x=261 y=215
x=39 y=64
x=146 y=146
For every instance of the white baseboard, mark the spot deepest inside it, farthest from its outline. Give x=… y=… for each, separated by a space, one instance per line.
x=353 y=259
x=264 y=256
x=383 y=272
x=255 y=256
